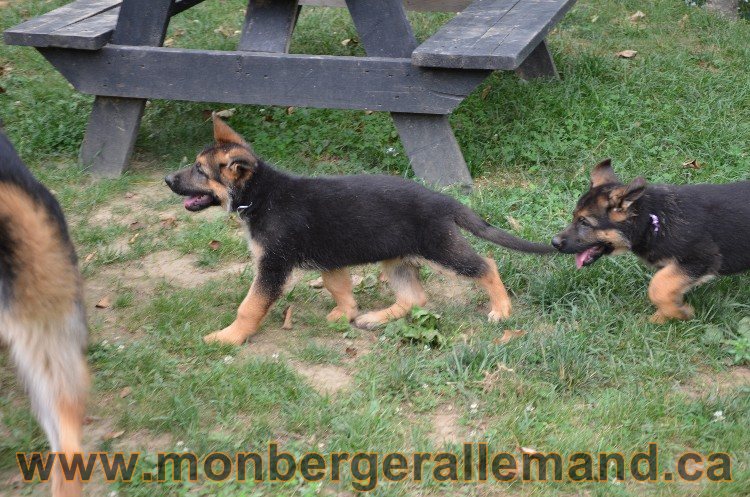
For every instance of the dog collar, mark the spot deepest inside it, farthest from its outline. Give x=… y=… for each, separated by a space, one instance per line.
x=655 y=223
x=242 y=208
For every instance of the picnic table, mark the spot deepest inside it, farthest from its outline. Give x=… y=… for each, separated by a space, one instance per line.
x=112 y=49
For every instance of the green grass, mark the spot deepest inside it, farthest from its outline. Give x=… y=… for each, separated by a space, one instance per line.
x=591 y=373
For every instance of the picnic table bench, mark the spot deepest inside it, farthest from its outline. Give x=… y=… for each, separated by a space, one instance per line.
x=112 y=49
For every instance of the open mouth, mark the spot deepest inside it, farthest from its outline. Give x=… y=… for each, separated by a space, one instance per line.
x=591 y=255
x=198 y=202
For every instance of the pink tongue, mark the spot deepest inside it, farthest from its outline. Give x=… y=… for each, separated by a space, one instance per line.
x=581 y=257
x=195 y=199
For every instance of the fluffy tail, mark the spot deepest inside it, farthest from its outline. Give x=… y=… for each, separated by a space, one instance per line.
x=468 y=220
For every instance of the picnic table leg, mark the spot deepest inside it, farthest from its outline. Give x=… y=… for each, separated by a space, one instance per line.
x=538 y=64
x=114 y=122
x=269 y=25
x=433 y=151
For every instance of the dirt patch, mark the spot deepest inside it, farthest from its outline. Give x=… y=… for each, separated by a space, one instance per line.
x=145 y=202
x=326 y=379
x=446 y=427
x=445 y=287
x=143 y=274
x=706 y=383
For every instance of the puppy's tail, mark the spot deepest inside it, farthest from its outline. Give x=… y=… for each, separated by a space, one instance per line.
x=471 y=222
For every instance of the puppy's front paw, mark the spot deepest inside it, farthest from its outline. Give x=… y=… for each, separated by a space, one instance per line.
x=228 y=336
x=337 y=313
x=682 y=313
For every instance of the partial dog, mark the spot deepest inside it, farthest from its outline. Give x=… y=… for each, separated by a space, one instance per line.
x=691 y=233
x=42 y=319
x=331 y=223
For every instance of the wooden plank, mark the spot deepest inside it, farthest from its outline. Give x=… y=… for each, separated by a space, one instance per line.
x=433 y=151
x=268 y=25
x=491 y=34
x=262 y=78
x=36 y=31
x=538 y=64
x=90 y=34
x=135 y=28
x=416 y=5
x=113 y=123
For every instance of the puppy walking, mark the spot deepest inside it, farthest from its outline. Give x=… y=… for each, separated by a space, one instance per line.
x=691 y=233
x=41 y=308
x=331 y=223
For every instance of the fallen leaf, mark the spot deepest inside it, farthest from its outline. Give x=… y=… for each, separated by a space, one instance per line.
x=627 y=54
x=125 y=392
x=351 y=351
x=111 y=435
x=486 y=91
x=287 y=319
x=89 y=257
x=136 y=225
x=509 y=335
x=103 y=303
x=349 y=41
x=368 y=112
x=214 y=244
x=691 y=164
x=225 y=31
x=316 y=283
x=225 y=113
x=169 y=42
x=528 y=451
x=594 y=19
x=637 y=16
x=514 y=223
x=290 y=111
x=169 y=222
x=134 y=238
x=178 y=32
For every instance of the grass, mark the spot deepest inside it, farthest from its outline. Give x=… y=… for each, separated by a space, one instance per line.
x=589 y=374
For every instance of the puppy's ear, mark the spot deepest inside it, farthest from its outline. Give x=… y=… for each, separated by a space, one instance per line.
x=603 y=174
x=242 y=165
x=623 y=197
x=224 y=134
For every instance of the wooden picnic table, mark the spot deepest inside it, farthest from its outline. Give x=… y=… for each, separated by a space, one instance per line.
x=112 y=49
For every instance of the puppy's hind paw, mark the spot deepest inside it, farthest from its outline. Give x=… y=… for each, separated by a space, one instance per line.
x=497 y=315
x=368 y=321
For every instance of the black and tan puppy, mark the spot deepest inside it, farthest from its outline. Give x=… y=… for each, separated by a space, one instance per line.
x=331 y=223
x=42 y=318
x=691 y=233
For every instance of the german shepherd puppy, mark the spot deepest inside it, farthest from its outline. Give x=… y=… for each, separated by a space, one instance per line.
x=691 y=233
x=331 y=223
x=42 y=318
